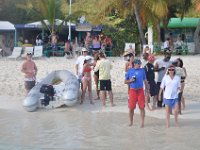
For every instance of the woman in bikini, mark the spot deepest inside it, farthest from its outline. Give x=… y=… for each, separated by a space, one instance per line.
x=180 y=64
x=86 y=80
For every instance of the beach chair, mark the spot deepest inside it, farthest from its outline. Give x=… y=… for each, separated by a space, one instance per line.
x=1 y=51
x=129 y=47
x=16 y=53
x=148 y=48
x=27 y=50
x=77 y=51
x=38 y=51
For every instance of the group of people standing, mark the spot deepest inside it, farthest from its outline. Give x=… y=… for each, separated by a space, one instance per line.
x=102 y=77
x=167 y=91
x=96 y=43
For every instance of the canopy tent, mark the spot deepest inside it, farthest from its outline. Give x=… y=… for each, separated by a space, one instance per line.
x=184 y=23
x=6 y=26
x=38 y=24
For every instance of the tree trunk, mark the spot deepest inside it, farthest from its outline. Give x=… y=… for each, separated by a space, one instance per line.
x=197 y=39
x=158 y=32
x=139 y=22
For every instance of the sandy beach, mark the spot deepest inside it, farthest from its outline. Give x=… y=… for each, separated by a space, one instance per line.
x=89 y=127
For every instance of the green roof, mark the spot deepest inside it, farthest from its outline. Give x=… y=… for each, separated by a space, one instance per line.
x=184 y=23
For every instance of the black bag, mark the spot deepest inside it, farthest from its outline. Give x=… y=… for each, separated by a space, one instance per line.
x=47 y=89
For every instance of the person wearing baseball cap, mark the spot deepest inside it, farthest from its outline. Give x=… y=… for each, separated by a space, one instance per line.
x=161 y=67
x=84 y=50
x=137 y=79
x=104 y=67
x=150 y=74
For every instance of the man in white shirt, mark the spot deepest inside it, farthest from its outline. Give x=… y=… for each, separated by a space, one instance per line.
x=79 y=63
x=166 y=45
x=161 y=67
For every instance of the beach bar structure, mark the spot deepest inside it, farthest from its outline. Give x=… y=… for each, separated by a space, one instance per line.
x=7 y=36
x=39 y=28
x=178 y=26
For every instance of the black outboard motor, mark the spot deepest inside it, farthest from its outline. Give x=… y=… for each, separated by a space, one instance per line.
x=48 y=92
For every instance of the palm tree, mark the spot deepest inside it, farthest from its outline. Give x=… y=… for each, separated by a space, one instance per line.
x=145 y=11
x=196 y=4
x=44 y=10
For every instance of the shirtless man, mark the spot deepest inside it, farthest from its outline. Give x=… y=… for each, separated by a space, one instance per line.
x=30 y=71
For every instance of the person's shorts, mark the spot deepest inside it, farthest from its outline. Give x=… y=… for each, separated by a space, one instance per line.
x=136 y=95
x=153 y=88
x=29 y=85
x=96 y=49
x=180 y=96
x=105 y=85
x=96 y=74
x=171 y=102
x=158 y=86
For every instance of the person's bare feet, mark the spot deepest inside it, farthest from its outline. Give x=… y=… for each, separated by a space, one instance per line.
x=153 y=107
x=142 y=126
x=81 y=102
x=112 y=105
x=130 y=124
x=98 y=98
x=177 y=125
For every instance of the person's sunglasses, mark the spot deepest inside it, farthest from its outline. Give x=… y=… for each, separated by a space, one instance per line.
x=170 y=69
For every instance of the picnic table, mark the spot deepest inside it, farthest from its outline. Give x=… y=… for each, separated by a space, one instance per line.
x=57 y=51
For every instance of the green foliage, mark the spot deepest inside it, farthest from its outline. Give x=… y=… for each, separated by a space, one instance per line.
x=9 y=12
x=124 y=32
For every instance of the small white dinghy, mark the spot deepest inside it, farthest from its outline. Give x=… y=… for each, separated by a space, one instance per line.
x=69 y=94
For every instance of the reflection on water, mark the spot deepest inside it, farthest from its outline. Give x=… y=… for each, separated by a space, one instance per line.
x=75 y=130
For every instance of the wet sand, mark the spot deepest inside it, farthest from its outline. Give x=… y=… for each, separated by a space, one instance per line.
x=73 y=128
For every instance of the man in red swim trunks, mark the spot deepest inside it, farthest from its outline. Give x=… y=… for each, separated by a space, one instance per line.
x=136 y=77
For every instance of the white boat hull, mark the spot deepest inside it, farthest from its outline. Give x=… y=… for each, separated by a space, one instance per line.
x=69 y=96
